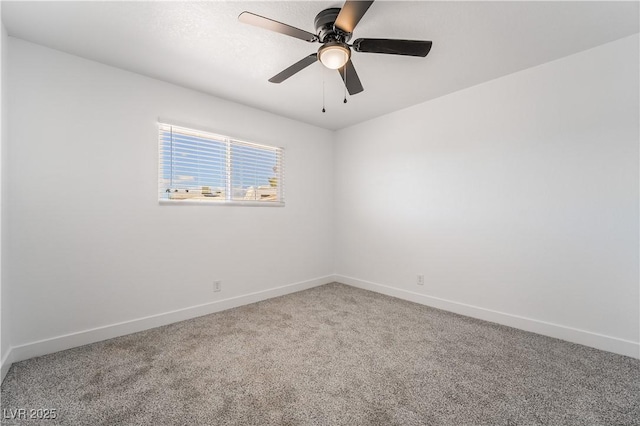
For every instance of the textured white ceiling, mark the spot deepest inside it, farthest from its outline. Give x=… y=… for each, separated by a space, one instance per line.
x=201 y=45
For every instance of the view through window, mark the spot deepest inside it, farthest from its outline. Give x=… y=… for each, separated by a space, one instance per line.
x=202 y=166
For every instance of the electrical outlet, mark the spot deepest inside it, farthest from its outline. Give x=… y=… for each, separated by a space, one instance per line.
x=420 y=280
x=217 y=286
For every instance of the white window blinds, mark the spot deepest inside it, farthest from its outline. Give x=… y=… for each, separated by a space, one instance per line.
x=201 y=166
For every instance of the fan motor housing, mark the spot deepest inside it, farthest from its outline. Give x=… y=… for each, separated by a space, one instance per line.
x=325 y=28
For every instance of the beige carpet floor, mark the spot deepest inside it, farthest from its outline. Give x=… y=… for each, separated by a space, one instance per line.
x=332 y=355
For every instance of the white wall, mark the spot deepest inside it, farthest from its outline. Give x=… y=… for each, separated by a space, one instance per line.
x=4 y=300
x=517 y=199
x=89 y=246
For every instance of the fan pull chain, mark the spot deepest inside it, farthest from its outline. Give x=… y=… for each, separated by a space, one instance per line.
x=345 y=83
x=323 y=110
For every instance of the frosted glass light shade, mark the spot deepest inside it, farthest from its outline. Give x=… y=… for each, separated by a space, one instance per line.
x=334 y=56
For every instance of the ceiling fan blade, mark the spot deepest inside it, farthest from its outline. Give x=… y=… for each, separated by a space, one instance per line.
x=351 y=13
x=393 y=47
x=351 y=79
x=298 y=66
x=279 y=27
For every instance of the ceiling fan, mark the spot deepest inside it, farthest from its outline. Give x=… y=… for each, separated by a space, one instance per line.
x=334 y=28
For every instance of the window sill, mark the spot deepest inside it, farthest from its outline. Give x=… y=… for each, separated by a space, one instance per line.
x=220 y=203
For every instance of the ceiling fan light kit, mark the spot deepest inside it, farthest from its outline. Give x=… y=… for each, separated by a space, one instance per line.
x=334 y=55
x=334 y=28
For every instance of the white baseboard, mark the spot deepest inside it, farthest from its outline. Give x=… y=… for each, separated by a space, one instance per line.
x=5 y=364
x=72 y=340
x=583 y=337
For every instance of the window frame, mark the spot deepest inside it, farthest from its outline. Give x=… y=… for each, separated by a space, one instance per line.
x=230 y=142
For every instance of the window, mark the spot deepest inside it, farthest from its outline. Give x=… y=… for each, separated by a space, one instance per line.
x=205 y=167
